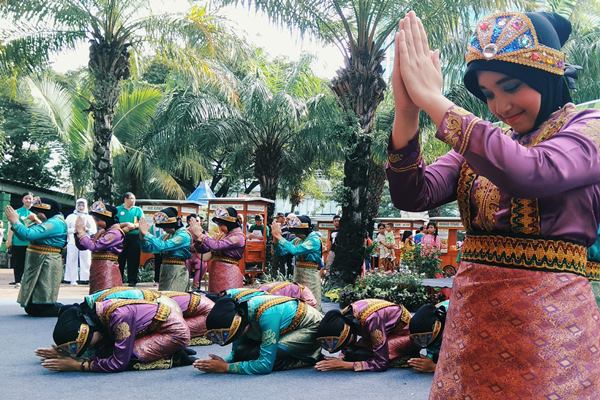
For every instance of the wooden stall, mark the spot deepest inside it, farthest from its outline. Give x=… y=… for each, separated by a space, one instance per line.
x=450 y=229
x=254 y=261
x=152 y=206
x=324 y=224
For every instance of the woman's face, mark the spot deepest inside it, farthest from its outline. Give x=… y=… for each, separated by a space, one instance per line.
x=431 y=229
x=222 y=227
x=510 y=100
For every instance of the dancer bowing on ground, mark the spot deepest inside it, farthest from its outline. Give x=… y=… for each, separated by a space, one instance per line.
x=528 y=199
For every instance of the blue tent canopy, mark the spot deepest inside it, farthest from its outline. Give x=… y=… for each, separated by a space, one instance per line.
x=202 y=193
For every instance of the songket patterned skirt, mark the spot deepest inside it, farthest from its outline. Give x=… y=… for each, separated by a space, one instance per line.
x=519 y=334
x=104 y=274
x=173 y=277
x=171 y=336
x=311 y=278
x=301 y=343
x=223 y=276
x=41 y=279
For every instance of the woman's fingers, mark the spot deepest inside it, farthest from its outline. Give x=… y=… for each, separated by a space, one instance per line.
x=415 y=34
x=423 y=36
x=408 y=39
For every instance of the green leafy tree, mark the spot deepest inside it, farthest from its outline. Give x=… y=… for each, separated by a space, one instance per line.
x=25 y=159
x=362 y=31
x=114 y=31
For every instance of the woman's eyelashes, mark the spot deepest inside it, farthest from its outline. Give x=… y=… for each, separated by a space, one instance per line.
x=511 y=87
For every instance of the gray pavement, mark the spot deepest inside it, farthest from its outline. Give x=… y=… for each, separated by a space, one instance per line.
x=22 y=377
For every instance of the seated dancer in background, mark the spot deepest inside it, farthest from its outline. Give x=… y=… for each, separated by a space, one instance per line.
x=223 y=268
x=194 y=306
x=43 y=261
x=426 y=332
x=269 y=333
x=307 y=250
x=122 y=334
x=174 y=247
x=106 y=245
x=290 y=289
x=383 y=330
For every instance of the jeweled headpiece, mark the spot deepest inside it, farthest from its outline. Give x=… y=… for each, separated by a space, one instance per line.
x=38 y=203
x=223 y=215
x=333 y=344
x=160 y=218
x=298 y=223
x=223 y=336
x=511 y=37
x=75 y=348
x=98 y=207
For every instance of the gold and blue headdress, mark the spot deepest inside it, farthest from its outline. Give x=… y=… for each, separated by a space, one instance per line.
x=512 y=37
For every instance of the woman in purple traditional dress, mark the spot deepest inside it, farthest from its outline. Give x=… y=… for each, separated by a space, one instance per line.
x=106 y=245
x=223 y=269
x=522 y=323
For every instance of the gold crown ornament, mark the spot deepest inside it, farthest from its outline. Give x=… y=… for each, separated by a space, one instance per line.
x=98 y=207
x=511 y=37
x=37 y=203
x=160 y=218
x=223 y=214
x=75 y=348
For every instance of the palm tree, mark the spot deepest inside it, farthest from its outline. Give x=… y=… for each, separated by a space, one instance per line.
x=362 y=30
x=114 y=30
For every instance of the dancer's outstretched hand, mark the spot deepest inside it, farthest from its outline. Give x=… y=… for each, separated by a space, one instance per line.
x=62 y=364
x=419 y=66
x=333 y=364
x=422 y=364
x=216 y=364
x=47 y=352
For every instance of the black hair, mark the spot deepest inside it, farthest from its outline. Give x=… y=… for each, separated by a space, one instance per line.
x=128 y=195
x=406 y=235
x=435 y=226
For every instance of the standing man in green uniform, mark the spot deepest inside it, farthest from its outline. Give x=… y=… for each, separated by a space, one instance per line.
x=129 y=212
x=16 y=245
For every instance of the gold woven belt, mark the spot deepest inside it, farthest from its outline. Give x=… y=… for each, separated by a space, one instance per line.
x=526 y=253
x=227 y=260
x=307 y=264
x=105 y=255
x=593 y=270
x=298 y=318
x=173 y=261
x=43 y=249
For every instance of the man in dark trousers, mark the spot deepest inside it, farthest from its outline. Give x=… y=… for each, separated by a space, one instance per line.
x=129 y=212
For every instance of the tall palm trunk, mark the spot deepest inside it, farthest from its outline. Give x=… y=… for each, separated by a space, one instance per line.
x=267 y=169
x=109 y=65
x=359 y=87
x=377 y=179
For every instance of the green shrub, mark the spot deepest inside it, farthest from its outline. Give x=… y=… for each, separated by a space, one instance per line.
x=399 y=288
x=423 y=262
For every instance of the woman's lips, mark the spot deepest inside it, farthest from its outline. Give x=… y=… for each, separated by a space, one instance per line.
x=512 y=119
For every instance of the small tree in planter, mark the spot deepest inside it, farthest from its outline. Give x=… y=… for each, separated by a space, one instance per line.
x=405 y=289
x=423 y=261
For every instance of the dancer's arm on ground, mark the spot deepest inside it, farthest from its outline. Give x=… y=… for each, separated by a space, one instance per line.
x=270 y=323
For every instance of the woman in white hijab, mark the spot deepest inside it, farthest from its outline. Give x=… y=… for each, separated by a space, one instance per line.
x=78 y=261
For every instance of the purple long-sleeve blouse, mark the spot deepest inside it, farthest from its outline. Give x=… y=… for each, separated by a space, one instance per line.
x=554 y=171
x=231 y=245
x=375 y=331
x=124 y=323
x=110 y=240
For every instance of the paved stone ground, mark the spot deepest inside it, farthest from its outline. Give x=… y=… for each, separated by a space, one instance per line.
x=22 y=377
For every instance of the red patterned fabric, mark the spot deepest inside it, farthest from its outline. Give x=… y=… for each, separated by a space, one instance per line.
x=517 y=334
x=104 y=274
x=223 y=276
x=172 y=335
